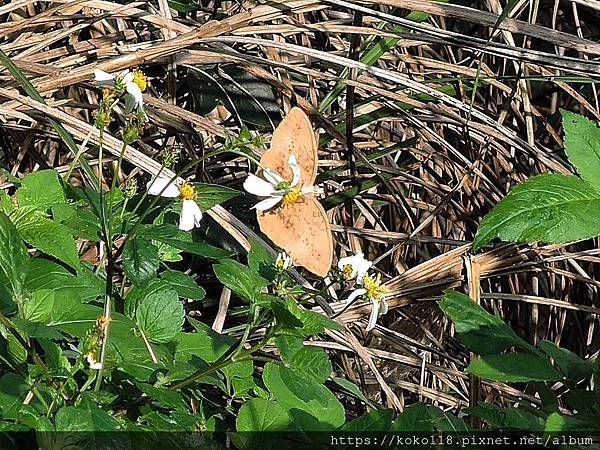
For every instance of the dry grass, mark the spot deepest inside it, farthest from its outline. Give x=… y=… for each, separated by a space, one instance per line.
x=458 y=109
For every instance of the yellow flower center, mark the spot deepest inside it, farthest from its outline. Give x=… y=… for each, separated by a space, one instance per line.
x=347 y=272
x=292 y=196
x=187 y=191
x=140 y=79
x=279 y=263
x=374 y=287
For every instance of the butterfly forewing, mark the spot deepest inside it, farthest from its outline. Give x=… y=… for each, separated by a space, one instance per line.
x=302 y=230
x=294 y=134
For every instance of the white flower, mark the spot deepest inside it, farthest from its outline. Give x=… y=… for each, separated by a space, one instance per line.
x=275 y=188
x=190 y=211
x=96 y=365
x=283 y=262
x=374 y=290
x=134 y=83
x=354 y=267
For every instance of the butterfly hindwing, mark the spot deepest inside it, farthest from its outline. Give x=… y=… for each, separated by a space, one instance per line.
x=294 y=134
x=302 y=230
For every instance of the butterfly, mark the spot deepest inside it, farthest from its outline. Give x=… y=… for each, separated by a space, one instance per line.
x=290 y=215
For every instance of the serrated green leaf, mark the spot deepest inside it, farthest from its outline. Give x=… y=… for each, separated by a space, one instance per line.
x=86 y=417
x=41 y=189
x=140 y=261
x=479 y=330
x=240 y=279
x=552 y=208
x=513 y=367
x=582 y=146
x=14 y=259
x=38 y=306
x=259 y=414
x=160 y=316
x=313 y=363
x=46 y=235
x=205 y=344
x=45 y=274
x=183 y=284
x=81 y=221
x=295 y=392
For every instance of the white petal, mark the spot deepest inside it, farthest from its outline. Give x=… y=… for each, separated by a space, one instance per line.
x=135 y=91
x=100 y=75
x=356 y=293
x=258 y=186
x=126 y=76
x=359 y=265
x=190 y=215
x=272 y=177
x=384 y=307
x=268 y=203
x=156 y=185
x=374 y=315
x=293 y=162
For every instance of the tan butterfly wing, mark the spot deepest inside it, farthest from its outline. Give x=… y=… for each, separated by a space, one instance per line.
x=302 y=230
x=294 y=134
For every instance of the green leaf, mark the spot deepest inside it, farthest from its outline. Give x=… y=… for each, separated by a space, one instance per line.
x=165 y=233
x=556 y=423
x=240 y=279
x=45 y=274
x=86 y=417
x=513 y=367
x=572 y=366
x=313 y=363
x=261 y=261
x=507 y=418
x=259 y=414
x=37 y=308
x=582 y=146
x=140 y=261
x=183 y=284
x=288 y=346
x=160 y=316
x=295 y=392
x=551 y=207
x=41 y=189
x=415 y=418
x=205 y=344
x=81 y=221
x=376 y=420
x=46 y=235
x=479 y=330
x=210 y=195
x=13 y=390
x=353 y=389
x=163 y=397
x=14 y=259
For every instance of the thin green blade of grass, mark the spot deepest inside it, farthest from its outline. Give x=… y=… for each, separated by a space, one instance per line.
x=34 y=94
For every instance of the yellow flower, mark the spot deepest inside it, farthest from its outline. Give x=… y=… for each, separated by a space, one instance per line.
x=140 y=79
